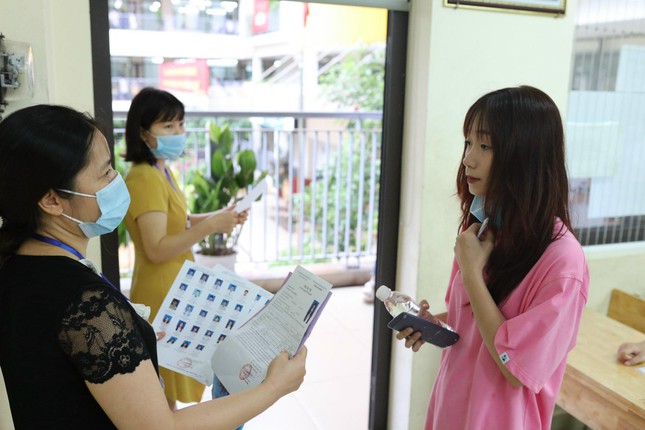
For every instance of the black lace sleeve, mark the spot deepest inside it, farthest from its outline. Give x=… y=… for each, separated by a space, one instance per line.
x=99 y=334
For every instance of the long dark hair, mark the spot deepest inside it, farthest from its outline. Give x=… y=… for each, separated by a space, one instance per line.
x=148 y=106
x=42 y=147
x=527 y=183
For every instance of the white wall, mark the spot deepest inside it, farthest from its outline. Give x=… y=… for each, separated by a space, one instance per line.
x=456 y=55
x=619 y=266
x=25 y=22
x=59 y=34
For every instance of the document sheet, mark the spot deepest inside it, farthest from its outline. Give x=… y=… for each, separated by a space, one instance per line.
x=282 y=325
x=203 y=307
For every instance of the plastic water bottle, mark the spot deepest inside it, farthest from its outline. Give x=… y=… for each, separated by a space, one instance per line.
x=396 y=302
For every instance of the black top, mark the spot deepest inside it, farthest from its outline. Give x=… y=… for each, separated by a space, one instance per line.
x=61 y=324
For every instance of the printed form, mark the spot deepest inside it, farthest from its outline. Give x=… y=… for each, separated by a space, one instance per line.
x=284 y=324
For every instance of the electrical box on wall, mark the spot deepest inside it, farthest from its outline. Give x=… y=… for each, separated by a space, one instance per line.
x=16 y=72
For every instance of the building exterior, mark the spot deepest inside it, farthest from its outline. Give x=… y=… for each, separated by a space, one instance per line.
x=237 y=54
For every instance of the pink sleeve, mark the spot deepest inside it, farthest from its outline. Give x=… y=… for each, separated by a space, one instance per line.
x=534 y=344
x=455 y=268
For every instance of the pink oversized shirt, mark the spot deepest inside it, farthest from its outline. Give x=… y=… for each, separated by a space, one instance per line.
x=542 y=320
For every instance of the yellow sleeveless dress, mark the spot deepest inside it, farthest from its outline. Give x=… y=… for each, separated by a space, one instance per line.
x=151 y=191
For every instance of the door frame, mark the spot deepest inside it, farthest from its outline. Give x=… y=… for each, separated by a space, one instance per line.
x=389 y=210
x=102 y=82
x=390 y=180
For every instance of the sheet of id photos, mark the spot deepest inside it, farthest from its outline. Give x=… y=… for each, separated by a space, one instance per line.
x=203 y=307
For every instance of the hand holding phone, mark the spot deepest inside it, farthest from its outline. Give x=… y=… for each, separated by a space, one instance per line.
x=430 y=332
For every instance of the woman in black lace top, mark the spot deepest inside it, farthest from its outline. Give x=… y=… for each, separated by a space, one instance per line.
x=73 y=351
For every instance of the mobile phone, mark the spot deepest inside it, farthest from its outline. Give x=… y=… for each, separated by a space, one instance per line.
x=430 y=332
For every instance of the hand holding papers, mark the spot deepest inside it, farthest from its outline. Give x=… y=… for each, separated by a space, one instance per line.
x=282 y=325
x=209 y=308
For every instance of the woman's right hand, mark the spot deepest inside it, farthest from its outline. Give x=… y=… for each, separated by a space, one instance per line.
x=285 y=375
x=472 y=252
x=223 y=221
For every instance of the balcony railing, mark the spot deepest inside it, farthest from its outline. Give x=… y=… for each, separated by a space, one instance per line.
x=323 y=175
x=176 y=21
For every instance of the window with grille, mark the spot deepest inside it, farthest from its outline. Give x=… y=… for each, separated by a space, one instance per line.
x=605 y=123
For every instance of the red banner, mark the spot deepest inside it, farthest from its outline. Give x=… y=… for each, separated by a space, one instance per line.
x=260 y=22
x=192 y=77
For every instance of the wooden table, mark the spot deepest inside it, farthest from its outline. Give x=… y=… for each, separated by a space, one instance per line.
x=597 y=389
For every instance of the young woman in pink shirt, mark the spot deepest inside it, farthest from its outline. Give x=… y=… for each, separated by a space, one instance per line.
x=517 y=291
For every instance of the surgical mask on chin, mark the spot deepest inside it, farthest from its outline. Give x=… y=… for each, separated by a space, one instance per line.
x=477 y=208
x=169 y=147
x=113 y=201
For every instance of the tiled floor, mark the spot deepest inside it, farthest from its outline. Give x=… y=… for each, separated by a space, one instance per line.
x=335 y=394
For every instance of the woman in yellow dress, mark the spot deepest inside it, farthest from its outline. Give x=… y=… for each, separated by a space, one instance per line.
x=157 y=220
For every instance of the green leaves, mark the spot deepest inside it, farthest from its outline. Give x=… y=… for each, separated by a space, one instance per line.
x=246 y=160
x=357 y=81
x=206 y=194
x=231 y=174
x=220 y=165
x=247 y=163
x=222 y=138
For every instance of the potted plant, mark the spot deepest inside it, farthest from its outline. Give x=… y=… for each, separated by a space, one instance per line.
x=230 y=176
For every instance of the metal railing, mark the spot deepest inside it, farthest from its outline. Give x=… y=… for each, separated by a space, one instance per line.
x=323 y=174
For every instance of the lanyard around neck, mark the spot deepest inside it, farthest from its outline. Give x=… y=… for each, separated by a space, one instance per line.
x=168 y=178
x=66 y=247
x=58 y=243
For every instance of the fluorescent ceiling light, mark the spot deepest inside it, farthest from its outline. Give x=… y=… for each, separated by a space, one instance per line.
x=222 y=62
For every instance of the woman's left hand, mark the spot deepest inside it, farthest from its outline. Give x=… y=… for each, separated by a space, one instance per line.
x=472 y=253
x=413 y=339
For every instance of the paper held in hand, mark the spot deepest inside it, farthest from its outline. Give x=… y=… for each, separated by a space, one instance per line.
x=252 y=196
x=283 y=324
x=207 y=308
x=203 y=306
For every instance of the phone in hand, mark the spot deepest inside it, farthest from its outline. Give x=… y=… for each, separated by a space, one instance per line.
x=430 y=332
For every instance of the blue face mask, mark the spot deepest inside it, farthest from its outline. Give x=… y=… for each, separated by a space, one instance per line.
x=169 y=147
x=477 y=208
x=113 y=201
